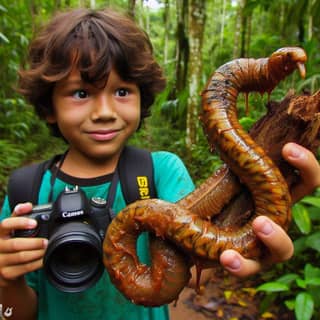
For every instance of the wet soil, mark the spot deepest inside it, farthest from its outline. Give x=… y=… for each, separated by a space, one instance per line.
x=225 y=297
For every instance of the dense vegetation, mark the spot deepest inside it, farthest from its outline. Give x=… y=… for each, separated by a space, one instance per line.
x=191 y=39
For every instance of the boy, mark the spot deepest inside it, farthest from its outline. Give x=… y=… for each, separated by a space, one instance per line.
x=93 y=78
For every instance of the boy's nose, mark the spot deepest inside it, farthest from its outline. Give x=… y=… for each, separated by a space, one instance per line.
x=103 y=108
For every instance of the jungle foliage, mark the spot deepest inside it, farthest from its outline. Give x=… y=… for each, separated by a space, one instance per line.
x=191 y=39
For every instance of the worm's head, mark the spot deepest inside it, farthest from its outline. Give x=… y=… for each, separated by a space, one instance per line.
x=285 y=60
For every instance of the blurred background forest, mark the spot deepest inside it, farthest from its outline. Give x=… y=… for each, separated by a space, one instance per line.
x=191 y=38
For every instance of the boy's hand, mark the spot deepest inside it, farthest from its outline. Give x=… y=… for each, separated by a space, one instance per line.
x=272 y=235
x=276 y=240
x=19 y=256
x=308 y=166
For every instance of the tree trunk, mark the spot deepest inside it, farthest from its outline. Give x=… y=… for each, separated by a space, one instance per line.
x=243 y=29
x=166 y=20
x=196 y=31
x=131 y=8
x=237 y=35
x=248 y=34
x=223 y=16
x=182 y=48
x=34 y=12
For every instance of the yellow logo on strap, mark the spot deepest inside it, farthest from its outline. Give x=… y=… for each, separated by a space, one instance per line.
x=143 y=186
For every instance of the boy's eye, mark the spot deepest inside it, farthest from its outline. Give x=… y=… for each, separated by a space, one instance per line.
x=122 y=92
x=80 y=94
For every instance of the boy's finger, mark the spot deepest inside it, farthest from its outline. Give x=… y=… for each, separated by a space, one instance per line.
x=22 y=208
x=22 y=244
x=238 y=265
x=303 y=159
x=21 y=257
x=275 y=239
x=13 y=272
x=7 y=226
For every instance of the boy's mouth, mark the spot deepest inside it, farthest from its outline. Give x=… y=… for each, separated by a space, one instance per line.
x=103 y=135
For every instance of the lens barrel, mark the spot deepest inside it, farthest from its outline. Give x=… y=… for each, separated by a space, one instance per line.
x=73 y=260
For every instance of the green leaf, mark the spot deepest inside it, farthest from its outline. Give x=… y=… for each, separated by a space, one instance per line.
x=301 y=283
x=273 y=287
x=3 y=9
x=314 y=201
x=311 y=272
x=313 y=282
x=290 y=304
x=247 y=122
x=288 y=278
x=4 y=38
x=304 y=306
x=313 y=241
x=301 y=218
x=300 y=245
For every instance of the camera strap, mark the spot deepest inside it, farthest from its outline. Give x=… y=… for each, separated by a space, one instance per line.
x=57 y=166
x=112 y=193
x=134 y=171
x=112 y=189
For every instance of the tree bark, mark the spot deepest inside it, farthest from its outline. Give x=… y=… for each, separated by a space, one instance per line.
x=166 y=21
x=182 y=48
x=132 y=8
x=243 y=29
x=196 y=31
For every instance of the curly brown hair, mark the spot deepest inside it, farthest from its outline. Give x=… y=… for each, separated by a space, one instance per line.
x=94 y=42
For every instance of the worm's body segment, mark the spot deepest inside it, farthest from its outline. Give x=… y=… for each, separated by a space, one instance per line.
x=184 y=224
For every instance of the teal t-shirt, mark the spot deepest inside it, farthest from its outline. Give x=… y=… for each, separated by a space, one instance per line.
x=103 y=300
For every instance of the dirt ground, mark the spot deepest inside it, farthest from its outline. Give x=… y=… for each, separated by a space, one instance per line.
x=226 y=298
x=180 y=310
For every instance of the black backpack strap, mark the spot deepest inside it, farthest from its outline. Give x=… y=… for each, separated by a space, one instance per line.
x=135 y=170
x=136 y=174
x=24 y=183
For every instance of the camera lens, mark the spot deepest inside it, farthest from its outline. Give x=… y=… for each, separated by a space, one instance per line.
x=73 y=260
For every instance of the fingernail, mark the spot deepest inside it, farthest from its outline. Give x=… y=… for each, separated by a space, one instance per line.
x=266 y=228
x=32 y=223
x=45 y=243
x=295 y=151
x=17 y=208
x=234 y=264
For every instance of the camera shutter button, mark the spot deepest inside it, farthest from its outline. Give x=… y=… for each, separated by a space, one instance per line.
x=45 y=217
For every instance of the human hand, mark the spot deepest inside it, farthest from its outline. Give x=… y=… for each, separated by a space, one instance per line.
x=272 y=235
x=277 y=241
x=19 y=256
x=308 y=166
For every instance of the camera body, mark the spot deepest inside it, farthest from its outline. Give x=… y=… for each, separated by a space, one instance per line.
x=75 y=227
x=71 y=205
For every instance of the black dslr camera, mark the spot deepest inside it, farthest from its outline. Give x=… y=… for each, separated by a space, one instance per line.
x=75 y=227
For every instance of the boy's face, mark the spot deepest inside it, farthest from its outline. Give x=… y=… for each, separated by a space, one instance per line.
x=96 y=122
